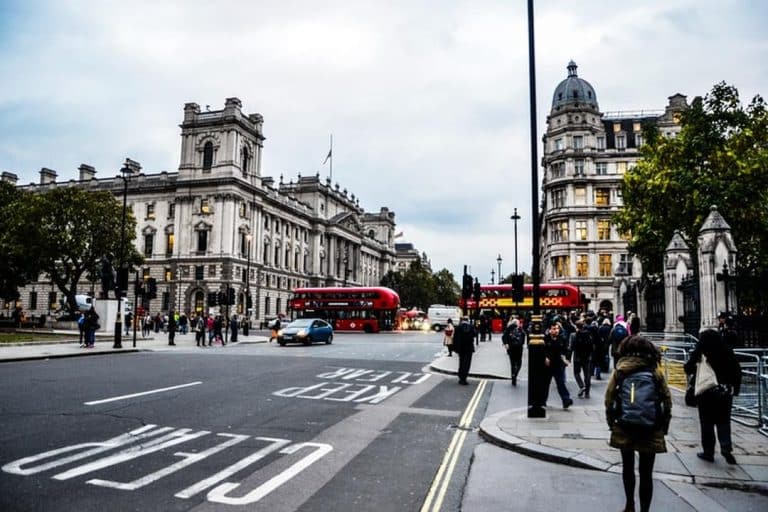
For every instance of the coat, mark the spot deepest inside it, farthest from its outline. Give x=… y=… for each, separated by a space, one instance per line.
x=619 y=437
x=464 y=338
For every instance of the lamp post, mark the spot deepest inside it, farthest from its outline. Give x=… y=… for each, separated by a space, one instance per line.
x=125 y=172
x=492 y=274
x=515 y=218
x=498 y=261
x=247 y=285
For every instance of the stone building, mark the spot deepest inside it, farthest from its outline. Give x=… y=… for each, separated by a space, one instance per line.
x=218 y=223
x=586 y=153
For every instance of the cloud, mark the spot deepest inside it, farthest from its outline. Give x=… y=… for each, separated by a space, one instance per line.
x=427 y=101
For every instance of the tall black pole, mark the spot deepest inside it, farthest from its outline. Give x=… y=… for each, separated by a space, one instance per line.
x=247 y=288
x=498 y=260
x=135 y=306
x=515 y=217
x=119 y=320
x=537 y=371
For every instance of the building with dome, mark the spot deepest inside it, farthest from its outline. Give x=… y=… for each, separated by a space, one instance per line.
x=586 y=153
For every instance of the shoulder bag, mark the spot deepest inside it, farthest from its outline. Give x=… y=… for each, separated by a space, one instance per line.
x=705 y=376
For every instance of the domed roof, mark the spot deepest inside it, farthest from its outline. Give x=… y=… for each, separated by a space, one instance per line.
x=574 y=90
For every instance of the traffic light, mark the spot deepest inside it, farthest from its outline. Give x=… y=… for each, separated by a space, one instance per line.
x=231 y=296
x=152 y=288
x=248 y=301
x=122 y=282
x=211 y=299
x=518 y=288
x=476 y=293
x=221 y=298
x=466 y=286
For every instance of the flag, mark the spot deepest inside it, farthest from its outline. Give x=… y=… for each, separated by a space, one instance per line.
x=399 y=235
x=330 y=152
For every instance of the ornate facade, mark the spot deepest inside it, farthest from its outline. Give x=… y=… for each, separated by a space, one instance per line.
x=217 y=223
x=586 y=153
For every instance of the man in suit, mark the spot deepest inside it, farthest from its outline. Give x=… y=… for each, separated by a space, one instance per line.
x=463 y=344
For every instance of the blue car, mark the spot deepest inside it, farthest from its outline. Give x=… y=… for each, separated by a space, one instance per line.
x=306 y=331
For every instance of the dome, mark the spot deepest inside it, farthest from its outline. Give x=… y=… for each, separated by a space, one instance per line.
x=574 y=91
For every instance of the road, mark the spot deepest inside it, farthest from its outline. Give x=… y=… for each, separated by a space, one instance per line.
x=359 y=423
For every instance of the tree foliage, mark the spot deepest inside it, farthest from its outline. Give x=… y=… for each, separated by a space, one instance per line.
x=418 y=287
x=18 y=265
x=720 y=157
x=67 y=232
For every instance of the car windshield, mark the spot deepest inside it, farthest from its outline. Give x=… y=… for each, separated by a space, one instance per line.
x=302 y=322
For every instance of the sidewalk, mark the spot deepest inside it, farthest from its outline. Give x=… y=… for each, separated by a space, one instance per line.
x=579 y=435
x=70 y=347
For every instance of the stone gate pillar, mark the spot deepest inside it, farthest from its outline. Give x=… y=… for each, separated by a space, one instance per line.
x=677 y=264
x=716 y=248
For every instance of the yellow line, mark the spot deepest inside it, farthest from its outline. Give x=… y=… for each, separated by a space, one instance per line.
x=448 y=464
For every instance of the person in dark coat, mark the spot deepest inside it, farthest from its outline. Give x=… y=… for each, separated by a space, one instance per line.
x=555 y=359
x=463 y=344
x=600 y=357
x=234 y=325
x=715 y=404
x=638 y=354
x=171 y=328
x=513 y=340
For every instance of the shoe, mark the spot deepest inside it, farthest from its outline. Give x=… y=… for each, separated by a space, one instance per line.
x=586 y=395
x=514 y=381
x=463 y=383
x=729 y=458
x=581 y=392
x=567 y=403
x=598 y=378
x=707 y=457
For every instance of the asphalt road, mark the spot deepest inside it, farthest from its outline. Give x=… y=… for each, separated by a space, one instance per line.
x=356 y=424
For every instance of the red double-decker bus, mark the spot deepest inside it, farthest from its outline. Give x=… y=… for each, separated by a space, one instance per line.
x=348 y=309
x=496 y=301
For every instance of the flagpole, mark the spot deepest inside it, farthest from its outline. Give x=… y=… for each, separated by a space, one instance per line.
x=331 y=153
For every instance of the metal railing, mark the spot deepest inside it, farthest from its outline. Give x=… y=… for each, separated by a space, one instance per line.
x=751 y=406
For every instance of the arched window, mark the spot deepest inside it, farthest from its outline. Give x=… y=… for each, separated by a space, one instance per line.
x=208 y=156
x=246 y=160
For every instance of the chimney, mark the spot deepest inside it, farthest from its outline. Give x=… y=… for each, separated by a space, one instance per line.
x=87 y=172
x=10 y=177
x=47 y=176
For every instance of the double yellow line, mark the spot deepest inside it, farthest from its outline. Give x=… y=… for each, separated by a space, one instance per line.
x=440 y=484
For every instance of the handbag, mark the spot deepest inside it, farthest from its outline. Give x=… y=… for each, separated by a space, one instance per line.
x=691 y=400
x=705 y=376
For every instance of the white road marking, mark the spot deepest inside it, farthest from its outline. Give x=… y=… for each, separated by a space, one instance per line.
x=150 y=392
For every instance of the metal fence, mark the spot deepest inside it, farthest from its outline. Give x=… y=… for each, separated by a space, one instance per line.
x=751 y=406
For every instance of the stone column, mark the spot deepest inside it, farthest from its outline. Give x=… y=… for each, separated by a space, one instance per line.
x=677 y=264
x=716 y=248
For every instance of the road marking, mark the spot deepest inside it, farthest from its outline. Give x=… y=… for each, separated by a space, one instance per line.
x=448 y=464
x=150 y=392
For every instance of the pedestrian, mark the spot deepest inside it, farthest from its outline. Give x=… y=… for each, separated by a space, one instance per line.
x=618 y=333
x=556 y=361
x=91 y=326
x=146 y=327
x=463 y=345
x=218 y=326
x=448 y=337
x=715 y=404
x=633 y=323
x=183 y=323
x=234 y=325
x=128 y=321
x=637 y=393
x=209 y=327
x=275 y=326
x=199 y=327
x=513 y=340
x=582 y=349
x=171 y=329
x=81 y=328
x=602 y=347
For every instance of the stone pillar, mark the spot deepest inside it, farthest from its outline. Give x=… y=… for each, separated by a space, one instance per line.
x=716 y=248
x=677 y=264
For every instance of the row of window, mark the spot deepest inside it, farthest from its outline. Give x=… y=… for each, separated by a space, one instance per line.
x=558 y=169
x=577 y=141
x=561 y=265
x=600 y=196
x=560 y=231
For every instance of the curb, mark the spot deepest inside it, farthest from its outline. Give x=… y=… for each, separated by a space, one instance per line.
x=62 y=356
x=437 y=369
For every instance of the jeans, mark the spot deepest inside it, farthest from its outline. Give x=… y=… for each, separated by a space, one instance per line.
x=715 y=412
x=582 y=366
x=559 y=375
x=465 y=361
x=515 y=361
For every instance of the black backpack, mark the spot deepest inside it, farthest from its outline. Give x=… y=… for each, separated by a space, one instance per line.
x=637 y=405
x=513 y=336
x=583 y=343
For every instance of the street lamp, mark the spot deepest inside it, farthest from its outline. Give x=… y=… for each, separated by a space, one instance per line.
x=498 y=260
x=125 y=173
x=247 y=284
x=515 y=218
x=492 y=274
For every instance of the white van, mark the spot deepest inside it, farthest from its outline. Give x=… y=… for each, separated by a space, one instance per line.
x=438 y=315
x=84 y=303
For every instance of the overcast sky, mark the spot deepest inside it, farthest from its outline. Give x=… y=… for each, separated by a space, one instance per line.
x=427 y=101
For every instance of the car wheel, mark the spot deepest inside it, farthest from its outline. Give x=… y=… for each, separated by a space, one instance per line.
x=308 y=341
x=281 y=343
x=329 y=340
x=436 y=328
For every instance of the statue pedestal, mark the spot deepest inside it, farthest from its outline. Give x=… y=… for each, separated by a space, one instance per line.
x=107 y=311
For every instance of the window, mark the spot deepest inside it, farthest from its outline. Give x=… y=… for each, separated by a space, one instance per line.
x=581 y=230
x=265 y=254
x=205 y=206
x=166 y=301
x=32 y=300
x=602 y=197
x=208 y=156
x=582 y=265
x=242 y=210
x=578 y=142
x=605 y=265
x=560 y=266
x=621 y=167
x=212 y=270
x=199 y=272
x=202 y=240
x=266 y=221
x=557 y=170
x=616 y=127
x=601 y=169
x=621 y=142
x=169 y=241
x=168 y=275
x=277 y=305
x=636 y=127
x=558 y=197
x=244 y=245
x=560 y=231
x=276 y=261
x=266 y=306
x=246 y=160
x=558 y=144
x=149 y=240
x=603 y=229
x=52 y=300
x=150 y=211
x=580 y=196
x=171 y=210
x=199 y=302
x=625 y=264
x=579 y=167
x=638 y=140
x=601 y=143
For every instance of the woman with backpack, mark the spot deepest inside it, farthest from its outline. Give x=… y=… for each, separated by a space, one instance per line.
x=638 y=409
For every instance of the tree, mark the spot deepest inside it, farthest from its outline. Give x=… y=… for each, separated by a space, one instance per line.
x=420 y=288
x=71 y=229
x=447 y=290
x=720 y=157
x=18 y=264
